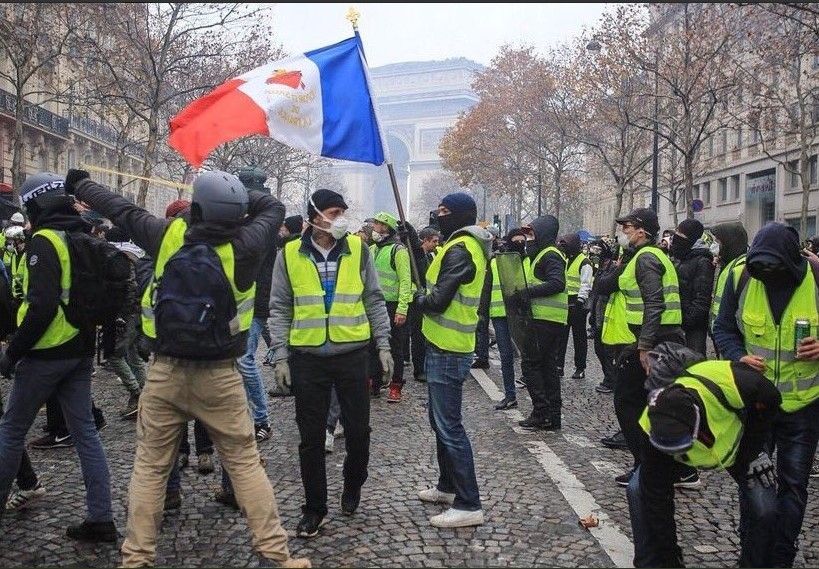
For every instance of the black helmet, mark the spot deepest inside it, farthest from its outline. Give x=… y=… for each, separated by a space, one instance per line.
x=218 y=196
x=40 y=185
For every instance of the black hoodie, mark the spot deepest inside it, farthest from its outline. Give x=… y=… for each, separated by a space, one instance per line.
x=551 y=269
x=44 y=272
x=733 y=241
x=695 y=272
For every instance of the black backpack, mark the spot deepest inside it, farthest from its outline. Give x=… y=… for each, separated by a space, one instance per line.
x=194 y=305
x=99 y=281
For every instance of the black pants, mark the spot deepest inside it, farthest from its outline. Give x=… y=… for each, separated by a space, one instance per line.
x=418 y=346
x=55 y=420
x=695 y=339
x=396 y=347
x=201 y=439
x=313 y=378
x=606 y=357
x=539 y=367
x=577 y=325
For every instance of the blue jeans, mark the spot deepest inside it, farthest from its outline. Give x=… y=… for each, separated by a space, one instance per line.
x=34 y=382
x=507 y=355
x=254 y=385
x=795 y=436
x=446 y=373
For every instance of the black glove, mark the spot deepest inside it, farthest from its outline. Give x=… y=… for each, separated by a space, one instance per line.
x=520 y=298
x=6 y=366
x=73 y=178
x=119 y=327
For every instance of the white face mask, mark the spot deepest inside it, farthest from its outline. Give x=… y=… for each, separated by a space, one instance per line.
x=338 y=226
x=377 y=237
x=714 y=248
x=622 y=240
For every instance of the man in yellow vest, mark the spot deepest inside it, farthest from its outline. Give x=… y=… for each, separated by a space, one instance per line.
x=392 y=263
x=546 y=292
x=705 y=414
x=325 y=308
x=643 y=310
x=197 y=312
x=579 y=273
x=48 y=356
x=455 y=281
x=731 y=242
x=770 y=321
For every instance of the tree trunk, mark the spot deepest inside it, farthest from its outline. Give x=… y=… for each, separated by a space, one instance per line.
x=688 y=173
x=120 y=168
x=618 y=206
x=147 y=164
x=279 y=187
x=674 y=198
x=804 y=172
x=18 y=157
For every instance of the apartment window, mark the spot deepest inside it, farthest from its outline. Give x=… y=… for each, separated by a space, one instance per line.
x=735 y=187
x=816 y=60
x=706 y=193
x=793 y=174
x=812 y=167
x=695 y=192
x=724 y=141
x=723 y=190
x=710 y=146
x=739 y=139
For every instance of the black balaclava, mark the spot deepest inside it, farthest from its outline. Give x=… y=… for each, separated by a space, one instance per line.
x=463 y=212
x=733 y=240
x=571 y=245
x=692 y=231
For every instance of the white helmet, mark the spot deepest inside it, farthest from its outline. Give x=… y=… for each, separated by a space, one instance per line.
x=18 y=219
x=14 y=232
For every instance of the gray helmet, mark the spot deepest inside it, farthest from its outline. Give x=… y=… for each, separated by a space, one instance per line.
x=253 y=178
x=41 y=184
x=218 y=196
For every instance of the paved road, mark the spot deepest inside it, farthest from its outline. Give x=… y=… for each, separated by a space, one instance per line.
x=534 y=486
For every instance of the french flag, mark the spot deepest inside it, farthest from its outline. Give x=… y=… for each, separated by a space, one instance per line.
x=319 y=101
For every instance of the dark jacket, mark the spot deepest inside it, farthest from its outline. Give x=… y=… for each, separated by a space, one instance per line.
x=250 y=240
x=551 y=269
x=261 y=304
x=696 y=275
x=598 y=299
x=649 y=272
x=778 y=241
x=43 y=295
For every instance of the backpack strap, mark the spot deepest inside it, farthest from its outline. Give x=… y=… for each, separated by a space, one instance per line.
x=717 y=392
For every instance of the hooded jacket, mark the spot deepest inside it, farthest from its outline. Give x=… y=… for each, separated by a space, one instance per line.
x=775 y=240
x=43 y=295
x=457 y=268
x=250 y=240
x=733 y=241
x=551 y=269
x=695 y=272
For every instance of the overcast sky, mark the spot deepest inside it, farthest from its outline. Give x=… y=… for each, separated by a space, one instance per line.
x=394 y=33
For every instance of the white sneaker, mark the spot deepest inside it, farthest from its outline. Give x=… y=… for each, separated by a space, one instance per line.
x=339 y=432
x=435 y=496
x=453 y=518
x=329 y=442
x=24 y=498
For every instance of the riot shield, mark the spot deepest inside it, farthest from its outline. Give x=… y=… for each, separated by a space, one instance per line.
x=512 y=279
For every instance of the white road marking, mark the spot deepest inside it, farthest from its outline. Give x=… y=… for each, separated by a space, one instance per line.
x=607 y=468
x=611 y=538
x=579 y=440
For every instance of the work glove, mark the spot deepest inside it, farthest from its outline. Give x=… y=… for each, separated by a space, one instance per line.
x=120 y=327
x=387 y=364
x=520 y=299
x=761 y=471
x=281 y=372
x=73 y=178
x=268 y=358
x=7 y=366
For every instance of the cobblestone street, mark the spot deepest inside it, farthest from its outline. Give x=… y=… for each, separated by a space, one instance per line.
x=529 y=482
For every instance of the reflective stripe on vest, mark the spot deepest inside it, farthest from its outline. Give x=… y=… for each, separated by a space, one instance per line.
x=723 y=423
x=347 y=319
x=387 y=275
x=735 y=268
x=555 y=307
x=454 y=329
x=496 y=307
x=797 y=380
x=634 y=300
x=172 y=241
x=573 y=275
x=60 y=330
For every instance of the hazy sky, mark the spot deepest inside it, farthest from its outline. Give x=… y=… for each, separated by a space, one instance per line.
x=418 y=32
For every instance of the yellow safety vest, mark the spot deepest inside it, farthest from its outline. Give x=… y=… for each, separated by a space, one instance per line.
x=555 y=307
x=172 y=241
x=723 y=422
x=60 y=330
x=18 y=270
x=496 y=307
x=733 y=268
x=347 y=319
x=797 y=380
x=454 y=329
x=573 y=275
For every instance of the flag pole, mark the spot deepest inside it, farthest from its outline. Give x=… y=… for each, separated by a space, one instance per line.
x=352 y=16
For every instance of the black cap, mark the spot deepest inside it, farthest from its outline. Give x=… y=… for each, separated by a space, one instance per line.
x=644 y=218
x=673 y=416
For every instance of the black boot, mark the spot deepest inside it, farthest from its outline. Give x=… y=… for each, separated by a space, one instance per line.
x=93 y=531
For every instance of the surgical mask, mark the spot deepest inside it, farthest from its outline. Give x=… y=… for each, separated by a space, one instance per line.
x=714 y=248
x=622 y=240
x=338 y=226
x=377 y=237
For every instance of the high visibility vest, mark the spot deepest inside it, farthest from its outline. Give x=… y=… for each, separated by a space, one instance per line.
x=388 y=278
x=573 y=275
x=614 y=333
x=347 y=319
x=555 y=307
x=723 y=422
x=496 y=307
x=797 y=380
x=172 y=241
x=734 y=268
x=634 y=300
x=60 y=330
x=453 y=330
x=18 y=270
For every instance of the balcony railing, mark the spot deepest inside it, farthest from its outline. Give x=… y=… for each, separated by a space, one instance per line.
x=34 y=114
x=94 y=129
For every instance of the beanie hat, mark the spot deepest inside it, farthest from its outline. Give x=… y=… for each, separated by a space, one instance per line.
x=673 y=415
x=459 y=202
x=323 y=199
x=293 y=224
x=175 y=208
x=691 y=228
x=387 y=219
